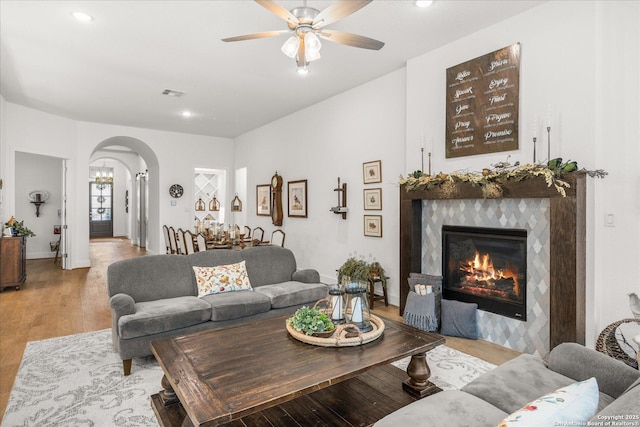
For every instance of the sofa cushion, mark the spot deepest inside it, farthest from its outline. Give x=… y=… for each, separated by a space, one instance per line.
x=627 y=404
x=287 y=294
x=222 y=278
x=213 y=258
x=153 y=317
x=459 y=319
x=151 y=277
x=447 y=408
x=233 y=305
x=570 y=405
x=269 y=264
x=513 y=384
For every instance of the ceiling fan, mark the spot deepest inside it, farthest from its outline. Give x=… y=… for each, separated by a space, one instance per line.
x=308 y=26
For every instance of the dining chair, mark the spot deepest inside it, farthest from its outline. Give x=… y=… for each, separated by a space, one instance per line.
x=247 y=232
x=277 y=238
x=173 y=242
x=167 y=243
x=180 y=241
x=201 y=241
x=188 y=239
x=258 y=234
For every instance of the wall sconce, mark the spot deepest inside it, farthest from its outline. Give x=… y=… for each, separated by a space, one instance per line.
x=38 y=197
x=341 y=209
x=236 y=204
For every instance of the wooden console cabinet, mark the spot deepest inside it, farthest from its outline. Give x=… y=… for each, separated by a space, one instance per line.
x=13 y=261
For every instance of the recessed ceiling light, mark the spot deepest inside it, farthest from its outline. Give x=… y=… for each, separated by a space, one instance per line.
x=186 y=114
x=82 y=17
x=424 y=3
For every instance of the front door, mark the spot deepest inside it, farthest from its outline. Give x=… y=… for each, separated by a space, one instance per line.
x=100 y=210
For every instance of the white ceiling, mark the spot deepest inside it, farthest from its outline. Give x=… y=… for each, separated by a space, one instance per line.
x=114 y=68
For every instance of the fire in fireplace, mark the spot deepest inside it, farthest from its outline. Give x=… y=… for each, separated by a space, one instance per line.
x=487 y=266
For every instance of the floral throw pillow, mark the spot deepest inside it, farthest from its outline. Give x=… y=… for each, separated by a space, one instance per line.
x=223 y=278
x=574 y=404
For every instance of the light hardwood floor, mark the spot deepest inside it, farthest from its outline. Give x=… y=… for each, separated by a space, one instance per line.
x=55 y=302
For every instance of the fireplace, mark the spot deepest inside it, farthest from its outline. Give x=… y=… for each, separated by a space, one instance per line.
x=487 y=266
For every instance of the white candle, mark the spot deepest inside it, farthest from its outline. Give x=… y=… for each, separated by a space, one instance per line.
x=422 y=140
x=356 y=310
x=336 y=314
x=429 y=289
x=549 y=116
x=535 y=126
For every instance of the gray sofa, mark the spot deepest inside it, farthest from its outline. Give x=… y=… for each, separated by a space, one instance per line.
x=156 y=296
x=494 y=395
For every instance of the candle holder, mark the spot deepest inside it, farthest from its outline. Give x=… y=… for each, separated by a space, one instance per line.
x=548 y=143
x=356 y=309
x=534 y=149
x=336 y=304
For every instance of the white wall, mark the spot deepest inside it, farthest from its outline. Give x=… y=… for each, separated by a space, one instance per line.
x=579 y=57
x=32 y=131
x=47 y=177
x=321 y=143
x=584 y=62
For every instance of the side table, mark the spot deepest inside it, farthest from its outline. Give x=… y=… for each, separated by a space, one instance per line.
x=372 y=295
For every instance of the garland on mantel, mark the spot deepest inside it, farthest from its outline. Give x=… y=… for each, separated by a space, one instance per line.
x=491 y=179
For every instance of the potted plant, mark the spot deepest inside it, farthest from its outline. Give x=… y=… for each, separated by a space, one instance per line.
x=311 y=321
x=358 y=269
x=19 y=229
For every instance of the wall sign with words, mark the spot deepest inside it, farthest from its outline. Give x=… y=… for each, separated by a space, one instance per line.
x=482 y=104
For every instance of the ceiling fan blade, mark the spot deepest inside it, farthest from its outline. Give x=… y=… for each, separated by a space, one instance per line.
x=337 y=11
x=278 y=10
x=350 y=39
x=256 y=36
x=301 y=58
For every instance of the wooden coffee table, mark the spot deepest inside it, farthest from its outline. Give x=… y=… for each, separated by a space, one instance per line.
x=217 y=377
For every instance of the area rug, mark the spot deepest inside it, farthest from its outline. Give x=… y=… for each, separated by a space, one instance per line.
x=77 y=381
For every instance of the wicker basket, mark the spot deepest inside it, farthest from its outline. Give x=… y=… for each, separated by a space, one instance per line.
x=608 y=344
x=342 y=336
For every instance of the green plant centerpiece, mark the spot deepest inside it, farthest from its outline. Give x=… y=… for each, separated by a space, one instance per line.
x=360 y=270
x=19 y=229
x=310 y=321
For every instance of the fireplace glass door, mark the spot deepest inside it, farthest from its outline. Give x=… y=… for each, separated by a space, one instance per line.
x=487 y=266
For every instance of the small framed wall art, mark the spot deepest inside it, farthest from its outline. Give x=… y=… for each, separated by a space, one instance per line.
x=263 y=200
x=372 y=199
x=372 y=172
x=297 y=196
x=373 y=225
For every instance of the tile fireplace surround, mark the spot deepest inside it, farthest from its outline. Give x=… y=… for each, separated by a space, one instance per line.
x=555 y=228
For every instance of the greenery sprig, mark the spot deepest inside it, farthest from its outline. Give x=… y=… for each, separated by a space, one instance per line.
x=310 y=321
x=359 y=269
x=19 y=228
x=490 y=179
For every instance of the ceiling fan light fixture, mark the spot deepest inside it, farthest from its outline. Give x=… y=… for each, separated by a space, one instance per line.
x=312 y=46
x=290 y=47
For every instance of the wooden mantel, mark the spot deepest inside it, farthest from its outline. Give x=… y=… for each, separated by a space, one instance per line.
x=567 y=239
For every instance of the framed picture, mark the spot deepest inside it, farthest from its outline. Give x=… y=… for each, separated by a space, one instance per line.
x=372 y=199
x=297 y=192
x=263 y=200
x=373 y=225
x=57 y=229
x=372 y=172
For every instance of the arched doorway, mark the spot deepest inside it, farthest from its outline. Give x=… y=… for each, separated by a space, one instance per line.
x=136 y=154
